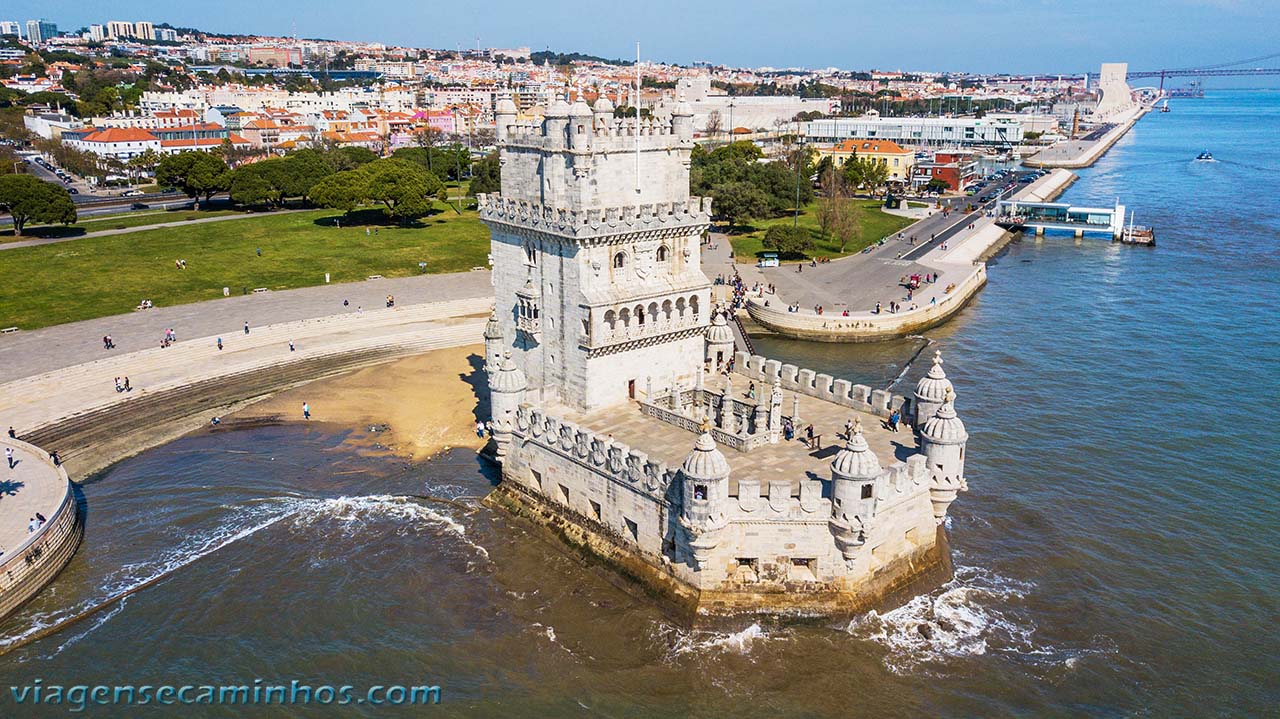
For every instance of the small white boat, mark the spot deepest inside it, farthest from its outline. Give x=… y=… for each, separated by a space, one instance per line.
x=1205 y=156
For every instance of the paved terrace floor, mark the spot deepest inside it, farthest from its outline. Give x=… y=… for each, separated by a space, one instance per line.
x=31 y=486
x=785 y=460
x=32 y=352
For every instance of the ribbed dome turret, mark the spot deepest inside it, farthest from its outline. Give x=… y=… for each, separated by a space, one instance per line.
x=492 y=329
x=509 y=378
x=944 y=427
x=682 y=109
x=580 y=109
x=719 y=333
x=558 y=108
x=705 y=461
x=856 y=460
x=603 y=105
x=934 y=386
x=505 y=107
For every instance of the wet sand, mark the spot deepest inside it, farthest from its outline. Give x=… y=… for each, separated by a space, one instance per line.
x=415 y=407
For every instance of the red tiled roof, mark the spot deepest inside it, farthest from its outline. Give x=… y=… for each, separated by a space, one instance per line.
x=873 y=146
x=120 y=134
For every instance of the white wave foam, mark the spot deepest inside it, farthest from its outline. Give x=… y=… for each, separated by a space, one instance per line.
x=243 y=522
x=974 y=613
x=702 y=642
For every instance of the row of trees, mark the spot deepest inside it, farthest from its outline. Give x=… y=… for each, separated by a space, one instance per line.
x=857 y=172
x=29 y=199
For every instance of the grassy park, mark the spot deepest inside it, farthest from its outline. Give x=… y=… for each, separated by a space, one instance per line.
x=114 y=222
x=98 y=276
x=748 y=244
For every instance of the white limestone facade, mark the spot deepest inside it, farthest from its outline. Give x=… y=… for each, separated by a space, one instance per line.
x=616 y=425
x=596 y=253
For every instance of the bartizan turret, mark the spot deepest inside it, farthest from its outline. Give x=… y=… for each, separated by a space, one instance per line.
x=493 y=343
x=942 y=439
x=504 y=114
x=854 y=473
x=931 y=392
x=720 y=343
x=704 y=488
x=506 y=393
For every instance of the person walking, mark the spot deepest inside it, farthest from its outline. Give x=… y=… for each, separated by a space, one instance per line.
x=219 y=344
x=291 y=347
x=306 y=411
x=246 y=327
x=480 y=429
x=12 y=434
x=8 y=455
x=894 y=418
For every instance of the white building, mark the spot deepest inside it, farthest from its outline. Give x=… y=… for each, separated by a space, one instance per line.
x=940 y=131
x=11 y=27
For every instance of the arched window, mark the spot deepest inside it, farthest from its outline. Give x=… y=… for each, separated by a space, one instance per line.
x=662 y=253
x=653 y=310
x=610 y=318
x=625 y=316
x=640 y=315
x=581 y=129
x=666 y=310
x=680 y=306
x=619 y=260
x=530 y=254
x=693 y=304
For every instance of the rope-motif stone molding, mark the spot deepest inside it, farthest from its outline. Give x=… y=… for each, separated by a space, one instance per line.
x=611 y=459
x=676 y=216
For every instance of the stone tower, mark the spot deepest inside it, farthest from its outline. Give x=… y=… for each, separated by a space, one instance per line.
x=705 y=497
x=493 y=344
x=942 y=440
x=596 y=251
x=720 y=343
x=931 y=391
x=506 y=392
x=853 y=492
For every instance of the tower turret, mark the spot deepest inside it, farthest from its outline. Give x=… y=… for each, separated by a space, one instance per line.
x=493 y=342
x=854 y=473
x=581 y=133
x=720 y=342
x=555 y=124
x=704 y=486
x=942 y=439
x=506 y=393
x=504 y=114
x=682 y=120
x=603 y=112
x=931 y=391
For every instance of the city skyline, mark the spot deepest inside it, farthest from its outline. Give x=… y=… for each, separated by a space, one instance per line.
x=1070 y=37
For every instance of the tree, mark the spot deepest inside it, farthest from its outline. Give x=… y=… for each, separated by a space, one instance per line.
x=144 y=162
x=715 y=124
x=195 y=173
x=302 y=170
x=404 y=189
x=349 y=157
x=428 y=138
x=486 y=175
x=250 y=186
x=737 y=201
x=342 y=191
x=790 y=242
x=868 y=172
x=27 y=198
x=848 y=222
x=834 y=192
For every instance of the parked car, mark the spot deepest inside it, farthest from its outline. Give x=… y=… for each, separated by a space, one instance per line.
x=73 y=190
x=132 y=193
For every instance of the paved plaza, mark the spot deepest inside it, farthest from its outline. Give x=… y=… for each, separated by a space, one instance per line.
x=33 y=485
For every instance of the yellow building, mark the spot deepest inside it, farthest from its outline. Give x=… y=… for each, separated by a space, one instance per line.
x=896 y=158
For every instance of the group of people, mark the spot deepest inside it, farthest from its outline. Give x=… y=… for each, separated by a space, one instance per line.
x=169 y=338
x=180 y=264
x=108 y=343
x=35 y=523
x=123 y=386
x=391 y=300
x=144 y=305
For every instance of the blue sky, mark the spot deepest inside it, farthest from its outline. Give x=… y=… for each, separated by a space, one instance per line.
x=975 y=35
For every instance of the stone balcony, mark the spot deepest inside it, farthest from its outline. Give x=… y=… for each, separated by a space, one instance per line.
x=606 y=336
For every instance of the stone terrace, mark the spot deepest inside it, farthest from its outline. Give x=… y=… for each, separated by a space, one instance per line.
x=789 y=460
x=34 y=485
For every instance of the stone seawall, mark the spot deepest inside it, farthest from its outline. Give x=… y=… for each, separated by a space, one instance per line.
x=1093 y=153
x=29 y=567
x=966 y=256
x=867 y=328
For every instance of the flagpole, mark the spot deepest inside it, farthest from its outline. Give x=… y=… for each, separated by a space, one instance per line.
x=637 y=131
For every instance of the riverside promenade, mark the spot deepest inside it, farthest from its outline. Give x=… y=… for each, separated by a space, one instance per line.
x=1075 y=154
x=59 y=390
x=856 y=283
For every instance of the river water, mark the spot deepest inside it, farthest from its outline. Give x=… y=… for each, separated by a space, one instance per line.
x=1115 y=555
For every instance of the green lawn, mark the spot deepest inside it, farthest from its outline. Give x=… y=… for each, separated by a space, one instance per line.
x=112 y=222
x=97 y=276
x=748 y=241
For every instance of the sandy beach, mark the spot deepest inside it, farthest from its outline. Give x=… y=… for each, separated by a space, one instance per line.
x=417 y=407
